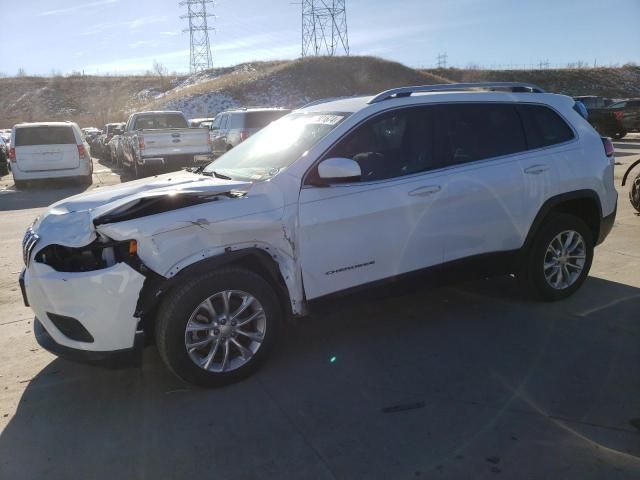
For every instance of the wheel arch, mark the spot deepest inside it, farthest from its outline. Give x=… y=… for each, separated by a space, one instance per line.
x=584 y=204
x=156 y=287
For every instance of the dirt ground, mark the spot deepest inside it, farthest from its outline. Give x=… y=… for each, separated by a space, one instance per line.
x=466 y=381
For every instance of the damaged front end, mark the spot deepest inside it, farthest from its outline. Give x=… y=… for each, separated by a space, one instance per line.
x=100 y=254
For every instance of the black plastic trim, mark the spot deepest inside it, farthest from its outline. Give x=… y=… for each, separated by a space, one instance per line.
x=71 y=328
x=606 y=225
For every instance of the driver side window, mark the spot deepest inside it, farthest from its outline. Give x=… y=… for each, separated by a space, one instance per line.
x=390 y=145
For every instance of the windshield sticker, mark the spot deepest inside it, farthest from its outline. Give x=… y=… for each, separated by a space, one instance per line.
x=326 y=119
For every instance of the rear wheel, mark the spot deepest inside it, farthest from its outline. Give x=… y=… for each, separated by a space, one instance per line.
x=634 y=193
x=219 y=327
x=559 y=259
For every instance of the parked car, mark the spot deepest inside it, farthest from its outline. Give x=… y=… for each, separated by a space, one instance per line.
x=4 y=155
x=101 y=149
x=114 y=148
x=339 y=195
x=594 y=102
x=49 y=150
x=200 y=122
x=232 y=127
x=162 y=141
x=619 y=118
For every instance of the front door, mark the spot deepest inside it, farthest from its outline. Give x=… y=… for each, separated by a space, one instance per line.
x=386 y=224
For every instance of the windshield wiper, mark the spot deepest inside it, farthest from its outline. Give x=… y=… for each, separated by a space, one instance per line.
x=213 y=173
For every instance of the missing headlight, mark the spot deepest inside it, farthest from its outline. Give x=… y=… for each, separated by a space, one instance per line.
x=95 y=256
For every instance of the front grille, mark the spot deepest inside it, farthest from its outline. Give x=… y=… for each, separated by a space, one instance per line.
x=28 y=243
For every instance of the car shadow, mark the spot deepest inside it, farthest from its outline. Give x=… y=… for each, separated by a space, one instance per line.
x=476 y=361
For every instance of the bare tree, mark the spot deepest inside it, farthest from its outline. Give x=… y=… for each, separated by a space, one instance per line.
x=161 y=71
x=21 y=72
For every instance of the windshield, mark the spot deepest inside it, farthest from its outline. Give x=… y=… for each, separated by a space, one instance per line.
x=275 y=147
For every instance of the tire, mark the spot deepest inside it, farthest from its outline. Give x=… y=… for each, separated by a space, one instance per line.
x=619 y=135
x=634 y=193
x=178 y=310
x=533 y=269
x=137 y=169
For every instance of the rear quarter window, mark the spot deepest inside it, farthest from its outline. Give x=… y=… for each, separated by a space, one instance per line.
x=543 y=127
x=44 y=135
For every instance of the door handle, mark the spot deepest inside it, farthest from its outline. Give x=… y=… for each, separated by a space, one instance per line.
x=536 y=169
x=425 y=191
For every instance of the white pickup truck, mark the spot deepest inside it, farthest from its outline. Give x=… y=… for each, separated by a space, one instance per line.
x=163 y=141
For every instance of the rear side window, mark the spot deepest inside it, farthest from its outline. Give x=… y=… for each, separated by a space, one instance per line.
x=543 y=126
x=476 y=131
x=44 y=135
x=159 y=121
x=262 y=119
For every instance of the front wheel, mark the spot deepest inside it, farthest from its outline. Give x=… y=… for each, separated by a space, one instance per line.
x=219 y=327
x=559 y=259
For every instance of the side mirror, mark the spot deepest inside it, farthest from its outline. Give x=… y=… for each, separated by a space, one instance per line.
x=339 y=168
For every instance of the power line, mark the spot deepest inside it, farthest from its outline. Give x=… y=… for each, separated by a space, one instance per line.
x=324 y=27
x=199 y=50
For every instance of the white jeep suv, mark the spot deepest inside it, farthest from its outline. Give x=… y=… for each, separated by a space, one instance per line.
x=341 y=194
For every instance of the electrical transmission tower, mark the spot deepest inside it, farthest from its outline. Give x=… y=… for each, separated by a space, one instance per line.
x=324 y=27
x=200 y=50
x=442 y=60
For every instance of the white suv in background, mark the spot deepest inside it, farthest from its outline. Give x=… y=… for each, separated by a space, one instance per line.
x=499 y=177
x=49 y=150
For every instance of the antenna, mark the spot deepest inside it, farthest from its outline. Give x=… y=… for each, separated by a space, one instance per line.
x=324 y=27
x=200 y=50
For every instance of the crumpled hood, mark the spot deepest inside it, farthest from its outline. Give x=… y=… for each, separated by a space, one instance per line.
x=69 y=222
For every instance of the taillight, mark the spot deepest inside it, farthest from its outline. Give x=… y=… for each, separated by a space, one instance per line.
x=12 y=154
x=618 y=115
x=244 y=135
x=81 y=151
x=609 y=149
x=141 y=142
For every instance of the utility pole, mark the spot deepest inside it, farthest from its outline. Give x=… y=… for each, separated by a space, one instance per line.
x=199 y=50
x=324 y=27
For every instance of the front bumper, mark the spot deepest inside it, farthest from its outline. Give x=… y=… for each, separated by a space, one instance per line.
x=101 y=302
x=117 y=358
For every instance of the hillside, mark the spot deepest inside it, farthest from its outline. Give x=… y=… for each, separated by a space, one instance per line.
x=93 y=100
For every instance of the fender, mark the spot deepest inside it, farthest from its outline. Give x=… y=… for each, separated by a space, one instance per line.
x=156 y=286
x=626 y=174
x=553 y=203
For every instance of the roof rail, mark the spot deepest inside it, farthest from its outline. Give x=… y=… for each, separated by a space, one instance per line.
x=447 y=87
x=324 y=100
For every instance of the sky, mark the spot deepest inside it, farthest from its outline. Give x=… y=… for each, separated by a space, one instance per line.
x=126 y=36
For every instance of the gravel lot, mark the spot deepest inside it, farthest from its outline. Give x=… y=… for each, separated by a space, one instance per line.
x=466 y=381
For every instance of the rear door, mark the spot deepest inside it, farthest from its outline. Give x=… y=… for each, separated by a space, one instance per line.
x=46 y=147
x=484 y=206
x=220 y=139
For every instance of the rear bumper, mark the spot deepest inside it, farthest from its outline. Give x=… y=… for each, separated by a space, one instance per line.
x=116 y=358
x=83 y=170
x=606 y=224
